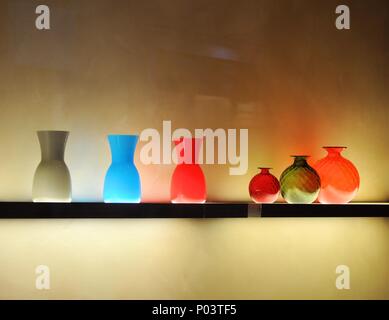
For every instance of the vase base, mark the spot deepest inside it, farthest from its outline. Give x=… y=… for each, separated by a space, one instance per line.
x=188 y=201
x=52 y=200
x=112 y=201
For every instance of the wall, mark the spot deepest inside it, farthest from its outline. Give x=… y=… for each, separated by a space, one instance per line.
x=179 y=259
x=279 y=68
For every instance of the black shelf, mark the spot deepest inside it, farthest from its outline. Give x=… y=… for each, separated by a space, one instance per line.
x=29 y=210
x=325 y=210
x=25 y=210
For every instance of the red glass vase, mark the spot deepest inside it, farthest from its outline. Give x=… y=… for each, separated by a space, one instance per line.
x=339 y=177
x=264 y=187
x=188 y=181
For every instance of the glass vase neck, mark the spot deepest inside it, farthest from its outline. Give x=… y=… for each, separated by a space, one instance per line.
x=122 y=147
x=264 y=170
x=334 y=151
x=300 y=160
x=52 y=144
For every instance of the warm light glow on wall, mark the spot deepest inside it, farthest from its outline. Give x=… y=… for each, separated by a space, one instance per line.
x=195 y=259
x=81 y=78
x=293 y=80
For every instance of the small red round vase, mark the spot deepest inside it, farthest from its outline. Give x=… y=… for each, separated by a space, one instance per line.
x=264 y=187
x=339 y=177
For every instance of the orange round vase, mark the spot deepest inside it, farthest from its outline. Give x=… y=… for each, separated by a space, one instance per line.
x=339 y=177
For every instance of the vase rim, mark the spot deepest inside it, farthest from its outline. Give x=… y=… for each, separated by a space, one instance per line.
x=265 y=168
x=334 y=147
x=123 y=135
x=188 y=138
x=300 y=156
x=52 y=131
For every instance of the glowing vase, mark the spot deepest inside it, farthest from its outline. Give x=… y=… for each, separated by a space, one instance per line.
x=339 y=177
x=264 y=187
x=300 y=183
x=122 y=182
x=188 y=181
x=52 y=182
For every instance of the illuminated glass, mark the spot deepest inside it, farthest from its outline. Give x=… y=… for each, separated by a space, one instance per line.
x=122 y=182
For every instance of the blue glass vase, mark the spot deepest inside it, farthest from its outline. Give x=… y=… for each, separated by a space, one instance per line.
x=122 y=181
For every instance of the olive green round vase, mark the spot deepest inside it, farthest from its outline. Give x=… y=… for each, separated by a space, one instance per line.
x=300 y=183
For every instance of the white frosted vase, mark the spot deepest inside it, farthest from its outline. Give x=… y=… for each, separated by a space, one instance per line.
x=52 y=182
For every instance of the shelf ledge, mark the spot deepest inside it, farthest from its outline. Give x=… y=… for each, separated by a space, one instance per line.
x=29 y=210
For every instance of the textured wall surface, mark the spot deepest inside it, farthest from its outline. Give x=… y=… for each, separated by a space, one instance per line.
x=279 y=68
x=177 y=259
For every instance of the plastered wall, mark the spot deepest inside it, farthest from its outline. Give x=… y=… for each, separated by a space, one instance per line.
x=180 y=259
x=278 y=68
